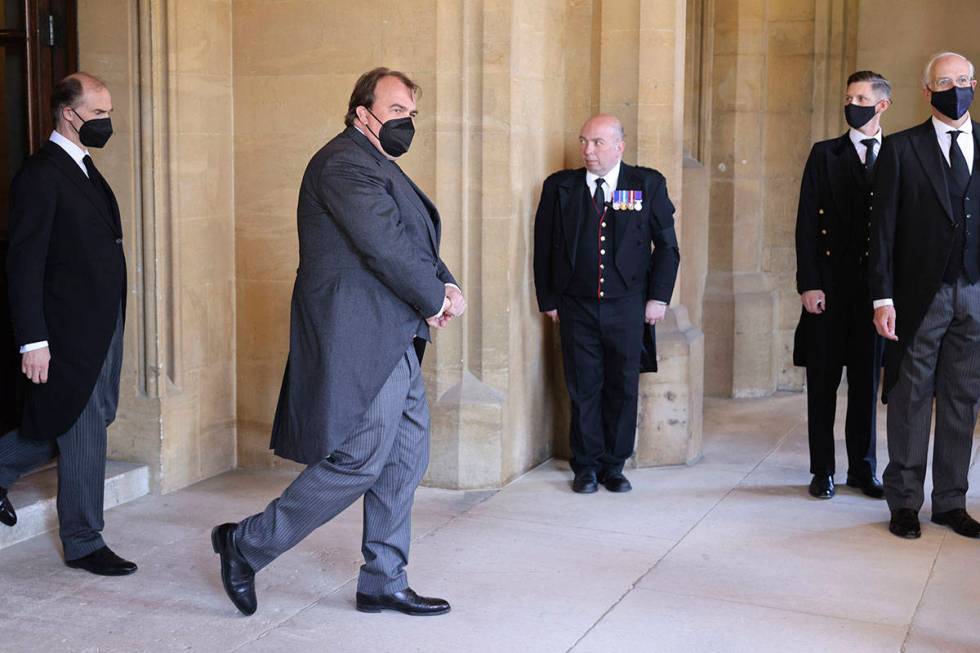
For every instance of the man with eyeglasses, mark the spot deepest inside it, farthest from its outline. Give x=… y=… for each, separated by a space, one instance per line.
x=925 y=262
x=835 y=329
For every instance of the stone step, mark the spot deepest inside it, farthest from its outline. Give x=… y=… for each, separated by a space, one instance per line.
x=34 y=498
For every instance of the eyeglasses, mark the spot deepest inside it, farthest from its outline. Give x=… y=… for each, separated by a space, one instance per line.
x=946 y=83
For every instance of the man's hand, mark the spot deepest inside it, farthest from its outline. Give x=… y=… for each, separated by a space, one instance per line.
x=655 y=312
x=885 y=322
x=34 y=364
x=814 y=301
x=553 y=314
x=457 y=303
x=440 y=319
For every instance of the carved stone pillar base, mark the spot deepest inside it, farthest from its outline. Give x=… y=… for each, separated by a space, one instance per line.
x=668 y=429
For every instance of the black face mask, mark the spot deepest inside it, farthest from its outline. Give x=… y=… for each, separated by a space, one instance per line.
x=95 y=132
x=858 y=116
x=953 y=102
x=396 y=135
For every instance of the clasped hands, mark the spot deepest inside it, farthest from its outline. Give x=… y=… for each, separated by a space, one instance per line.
x=453 y=305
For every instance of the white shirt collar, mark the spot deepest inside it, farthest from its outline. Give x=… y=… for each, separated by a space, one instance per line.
x=75 y=152
x=857 y=137
x=611 y=180
x=942 y=129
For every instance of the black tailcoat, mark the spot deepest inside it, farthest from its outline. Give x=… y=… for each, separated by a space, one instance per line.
x=66 y=272
x=913 y=230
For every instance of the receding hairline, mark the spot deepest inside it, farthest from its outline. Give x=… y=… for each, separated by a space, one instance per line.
x=927 y=72
x=612 y=122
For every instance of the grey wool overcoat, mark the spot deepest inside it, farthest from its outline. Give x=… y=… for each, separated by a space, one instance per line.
x=369 y=274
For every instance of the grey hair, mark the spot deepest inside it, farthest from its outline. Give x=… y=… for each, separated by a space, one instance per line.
x=927 y=72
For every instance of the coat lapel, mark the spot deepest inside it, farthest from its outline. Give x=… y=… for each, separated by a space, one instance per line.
x=841 y=175
x=927 y=150
x=570 y=207
x=425 y=207
x=70 y=169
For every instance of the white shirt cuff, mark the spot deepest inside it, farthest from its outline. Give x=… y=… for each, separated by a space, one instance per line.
x=657 y=301
x=878 y=303
x=31 y=346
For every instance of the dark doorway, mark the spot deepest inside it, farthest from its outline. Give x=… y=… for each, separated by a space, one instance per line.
x=38 y=46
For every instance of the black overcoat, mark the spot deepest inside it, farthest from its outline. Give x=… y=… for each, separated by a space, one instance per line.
x=369 y=274
x=66 y=275
x=832 y=228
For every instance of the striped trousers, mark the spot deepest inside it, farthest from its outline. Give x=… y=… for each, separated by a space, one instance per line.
x=383 y=460
x=81 y=455
x=941 y=362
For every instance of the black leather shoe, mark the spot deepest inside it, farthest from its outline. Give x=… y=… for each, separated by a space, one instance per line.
x=236 y=574
x=405 y=601
x=616 y=482
x=7 y=514
x=905 y=523
x=822 y=486
x=103 y=562
x=959 y=520
x=870 y=487
x=585 y=482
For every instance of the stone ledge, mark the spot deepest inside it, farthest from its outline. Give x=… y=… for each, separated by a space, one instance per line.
x=35 y=496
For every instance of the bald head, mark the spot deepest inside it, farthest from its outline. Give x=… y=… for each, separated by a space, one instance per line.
x=601 y=142
x=74 y=91
x=943 y=63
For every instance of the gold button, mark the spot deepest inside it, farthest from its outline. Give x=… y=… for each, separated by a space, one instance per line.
x=866 y=253
x=602 y=280
x=820 y=211
x=602 y=294
x=872 y=193
x=823 y=231
x=602 y=267
x=602 y=238
x=602 y=251
x=604 y=224
x=828 y=252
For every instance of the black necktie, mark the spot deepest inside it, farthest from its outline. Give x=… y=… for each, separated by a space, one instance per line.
x=871 y=156
x=600 y=197
x=957 y=163
x=93 y=174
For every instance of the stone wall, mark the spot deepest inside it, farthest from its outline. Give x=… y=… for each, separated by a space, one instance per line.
x=168 y=65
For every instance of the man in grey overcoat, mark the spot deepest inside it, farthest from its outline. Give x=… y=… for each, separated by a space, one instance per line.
x=369 y=288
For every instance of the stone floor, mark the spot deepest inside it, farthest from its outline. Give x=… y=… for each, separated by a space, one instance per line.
x=728 y=555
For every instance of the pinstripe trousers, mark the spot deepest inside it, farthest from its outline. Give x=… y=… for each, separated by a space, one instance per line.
x=942 y=361
x=81 y=455
x=383 y=460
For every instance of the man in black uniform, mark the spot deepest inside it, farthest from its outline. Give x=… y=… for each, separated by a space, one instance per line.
x=835 y=329
x=596 y=275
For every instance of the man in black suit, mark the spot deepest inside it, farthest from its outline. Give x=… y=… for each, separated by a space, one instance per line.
x=835 y=329
x=352 y=407
x=925 y=279
x=595 y=274
x=67 y=286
